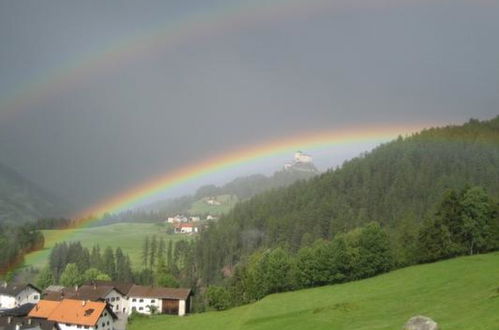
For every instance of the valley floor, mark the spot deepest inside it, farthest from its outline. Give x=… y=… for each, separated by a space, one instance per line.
x=461 y=293
x=128 y=236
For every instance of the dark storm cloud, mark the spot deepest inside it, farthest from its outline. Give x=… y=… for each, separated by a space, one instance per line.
x=433 y=62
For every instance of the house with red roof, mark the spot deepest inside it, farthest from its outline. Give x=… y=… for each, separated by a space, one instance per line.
x=71 y=314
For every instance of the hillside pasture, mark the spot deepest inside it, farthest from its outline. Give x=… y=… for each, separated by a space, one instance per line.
x=461 y=293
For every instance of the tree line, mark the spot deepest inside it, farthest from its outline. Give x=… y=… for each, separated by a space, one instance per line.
x=15 y=242
x=72 y=264
x=466 y=222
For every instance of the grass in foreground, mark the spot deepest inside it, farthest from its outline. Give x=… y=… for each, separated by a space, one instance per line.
x=128 y=236
x=461 y=293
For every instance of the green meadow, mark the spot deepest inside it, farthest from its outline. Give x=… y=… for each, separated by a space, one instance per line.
x=128 y=236
x=461 y=293
x=227 y=203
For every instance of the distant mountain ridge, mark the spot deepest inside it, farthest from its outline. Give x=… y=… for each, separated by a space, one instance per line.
x=22 y=200
x=241 y=187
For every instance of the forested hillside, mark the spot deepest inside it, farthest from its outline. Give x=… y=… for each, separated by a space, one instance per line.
x=242 y=188
x=22 y=200
x=398 y=185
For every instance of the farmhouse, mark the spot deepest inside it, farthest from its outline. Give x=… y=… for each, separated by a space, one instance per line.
x=186 y=228
x=75 y=314
x=149 y=300
x=93 y=292
x=15 y=295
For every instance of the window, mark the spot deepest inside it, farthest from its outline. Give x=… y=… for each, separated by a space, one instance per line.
x=86 y=327
x=118 y=298
x=141 y=308
x=78 y=326
x=141 y=300
x=113 y=299
x=107 y=322
x=103 y=324
x=153 y=301
x=134 y=300
x=36 y=297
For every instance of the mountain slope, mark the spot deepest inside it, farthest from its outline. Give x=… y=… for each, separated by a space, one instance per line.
x=22 y=200
x=458 y=294
x=240 y=188
x=397 y=183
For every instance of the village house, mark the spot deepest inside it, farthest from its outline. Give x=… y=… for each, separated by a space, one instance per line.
x=17 y=319
x=14 y=295
x=185 y=228
x=150 y=300
x=75 y=314
x=113 y=296
x=177 y=219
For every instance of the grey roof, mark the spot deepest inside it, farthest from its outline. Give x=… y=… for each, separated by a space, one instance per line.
x=85 y=292
x=22 y=310
x=14 y=289
x=10 y=323
x=54 y=288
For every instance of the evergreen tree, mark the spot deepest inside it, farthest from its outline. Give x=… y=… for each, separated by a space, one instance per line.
x=109 y=263
x=71 y=276
x=45 y=278
x=145 y=252
x=153 y=251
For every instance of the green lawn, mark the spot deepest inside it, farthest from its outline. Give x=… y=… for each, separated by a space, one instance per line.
x=129 y=236
x=202 y=207
x=461 y=293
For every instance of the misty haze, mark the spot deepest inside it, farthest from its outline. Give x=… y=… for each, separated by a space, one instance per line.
x=280 y=164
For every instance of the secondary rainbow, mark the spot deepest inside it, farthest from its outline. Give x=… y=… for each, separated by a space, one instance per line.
x=159 y=185
x=169 y=35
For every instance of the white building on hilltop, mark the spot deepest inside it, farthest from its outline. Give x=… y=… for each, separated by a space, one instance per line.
x=300 y=157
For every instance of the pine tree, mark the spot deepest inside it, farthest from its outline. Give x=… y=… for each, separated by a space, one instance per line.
x=145 y=252
x=153 y=252
x=109 y=263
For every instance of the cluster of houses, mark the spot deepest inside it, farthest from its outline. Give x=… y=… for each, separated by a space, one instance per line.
x=95 y=305
x=187 y=225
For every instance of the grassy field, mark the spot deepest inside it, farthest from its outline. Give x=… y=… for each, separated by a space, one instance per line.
x=202 y=207
x=461 y=293
x=129 y=236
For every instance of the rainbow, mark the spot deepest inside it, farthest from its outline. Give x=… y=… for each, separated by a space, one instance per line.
x=221 y=163
x=172 y=34
x=157 y=186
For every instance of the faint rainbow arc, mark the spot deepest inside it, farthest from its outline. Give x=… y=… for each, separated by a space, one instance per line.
x=171 y=33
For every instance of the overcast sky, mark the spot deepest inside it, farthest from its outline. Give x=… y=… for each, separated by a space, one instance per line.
x=282 y=72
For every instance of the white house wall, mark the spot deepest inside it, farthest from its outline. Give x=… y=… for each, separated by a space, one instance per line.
x=117 y=301
x=105 y=322
x=140 y=305
x=181 y=307
x=28 y=295
x=7 y=302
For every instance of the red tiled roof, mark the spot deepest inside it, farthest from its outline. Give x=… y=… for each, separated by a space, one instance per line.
x=71 y=311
